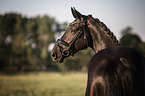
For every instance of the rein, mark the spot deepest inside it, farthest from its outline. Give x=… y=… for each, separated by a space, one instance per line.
x=68 y=51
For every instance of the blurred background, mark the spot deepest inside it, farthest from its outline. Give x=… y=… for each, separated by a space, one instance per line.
x=29 y=29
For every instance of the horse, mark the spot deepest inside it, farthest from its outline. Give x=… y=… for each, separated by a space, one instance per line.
x=114 y=70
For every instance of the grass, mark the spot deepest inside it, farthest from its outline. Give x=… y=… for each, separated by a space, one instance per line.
x=43 y=84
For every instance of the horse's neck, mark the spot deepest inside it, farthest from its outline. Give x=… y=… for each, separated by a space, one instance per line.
x=101 y=39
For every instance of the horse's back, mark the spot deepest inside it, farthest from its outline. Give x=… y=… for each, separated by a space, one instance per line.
x=123 y=71
x=112 y=53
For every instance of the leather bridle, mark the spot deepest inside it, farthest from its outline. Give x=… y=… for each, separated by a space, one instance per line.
x=67 y=52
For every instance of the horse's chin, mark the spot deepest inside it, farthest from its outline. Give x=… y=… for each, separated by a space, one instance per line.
x=60 y=60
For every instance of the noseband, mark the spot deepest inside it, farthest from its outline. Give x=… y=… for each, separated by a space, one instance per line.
x=68 y=51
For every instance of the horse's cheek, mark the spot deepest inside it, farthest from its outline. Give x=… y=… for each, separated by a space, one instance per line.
x=79 y=45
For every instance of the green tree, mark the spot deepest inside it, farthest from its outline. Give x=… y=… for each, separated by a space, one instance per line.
x=24 y=42
x=12 y=39
x=132 y=40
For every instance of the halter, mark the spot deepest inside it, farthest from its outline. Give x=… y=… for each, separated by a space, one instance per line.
x=67 y=52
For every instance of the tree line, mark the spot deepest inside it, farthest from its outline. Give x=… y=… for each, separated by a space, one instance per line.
x=24 y=44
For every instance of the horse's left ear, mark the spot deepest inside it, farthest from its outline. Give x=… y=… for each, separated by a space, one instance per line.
x=75 y=13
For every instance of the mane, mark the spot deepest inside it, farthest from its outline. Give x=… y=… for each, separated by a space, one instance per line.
x=107 y=30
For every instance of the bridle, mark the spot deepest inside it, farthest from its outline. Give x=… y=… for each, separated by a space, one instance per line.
x=67 y=52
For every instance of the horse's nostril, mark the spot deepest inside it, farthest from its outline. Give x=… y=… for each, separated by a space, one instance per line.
x=53 y=55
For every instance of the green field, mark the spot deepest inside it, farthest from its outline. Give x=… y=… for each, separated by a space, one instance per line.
x=43 y=84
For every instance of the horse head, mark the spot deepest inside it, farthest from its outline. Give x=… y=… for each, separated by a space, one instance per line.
x=83 y=32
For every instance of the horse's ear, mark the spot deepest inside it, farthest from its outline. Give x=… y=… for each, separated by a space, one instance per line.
x=125 y=62
x=75 y=13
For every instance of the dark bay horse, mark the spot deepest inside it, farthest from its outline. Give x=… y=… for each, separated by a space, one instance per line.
x=113 y=70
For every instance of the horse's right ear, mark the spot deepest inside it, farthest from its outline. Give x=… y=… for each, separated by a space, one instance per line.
x=75 y=13
x=125 y=62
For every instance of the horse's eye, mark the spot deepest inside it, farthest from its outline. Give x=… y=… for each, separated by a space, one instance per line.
x=74 y=28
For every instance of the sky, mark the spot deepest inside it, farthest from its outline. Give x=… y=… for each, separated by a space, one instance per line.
x=116 y=14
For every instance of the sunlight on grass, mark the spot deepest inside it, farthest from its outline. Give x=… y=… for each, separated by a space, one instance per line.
x=43 y=84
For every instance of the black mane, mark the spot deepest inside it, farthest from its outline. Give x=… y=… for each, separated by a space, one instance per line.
x=107 y=30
